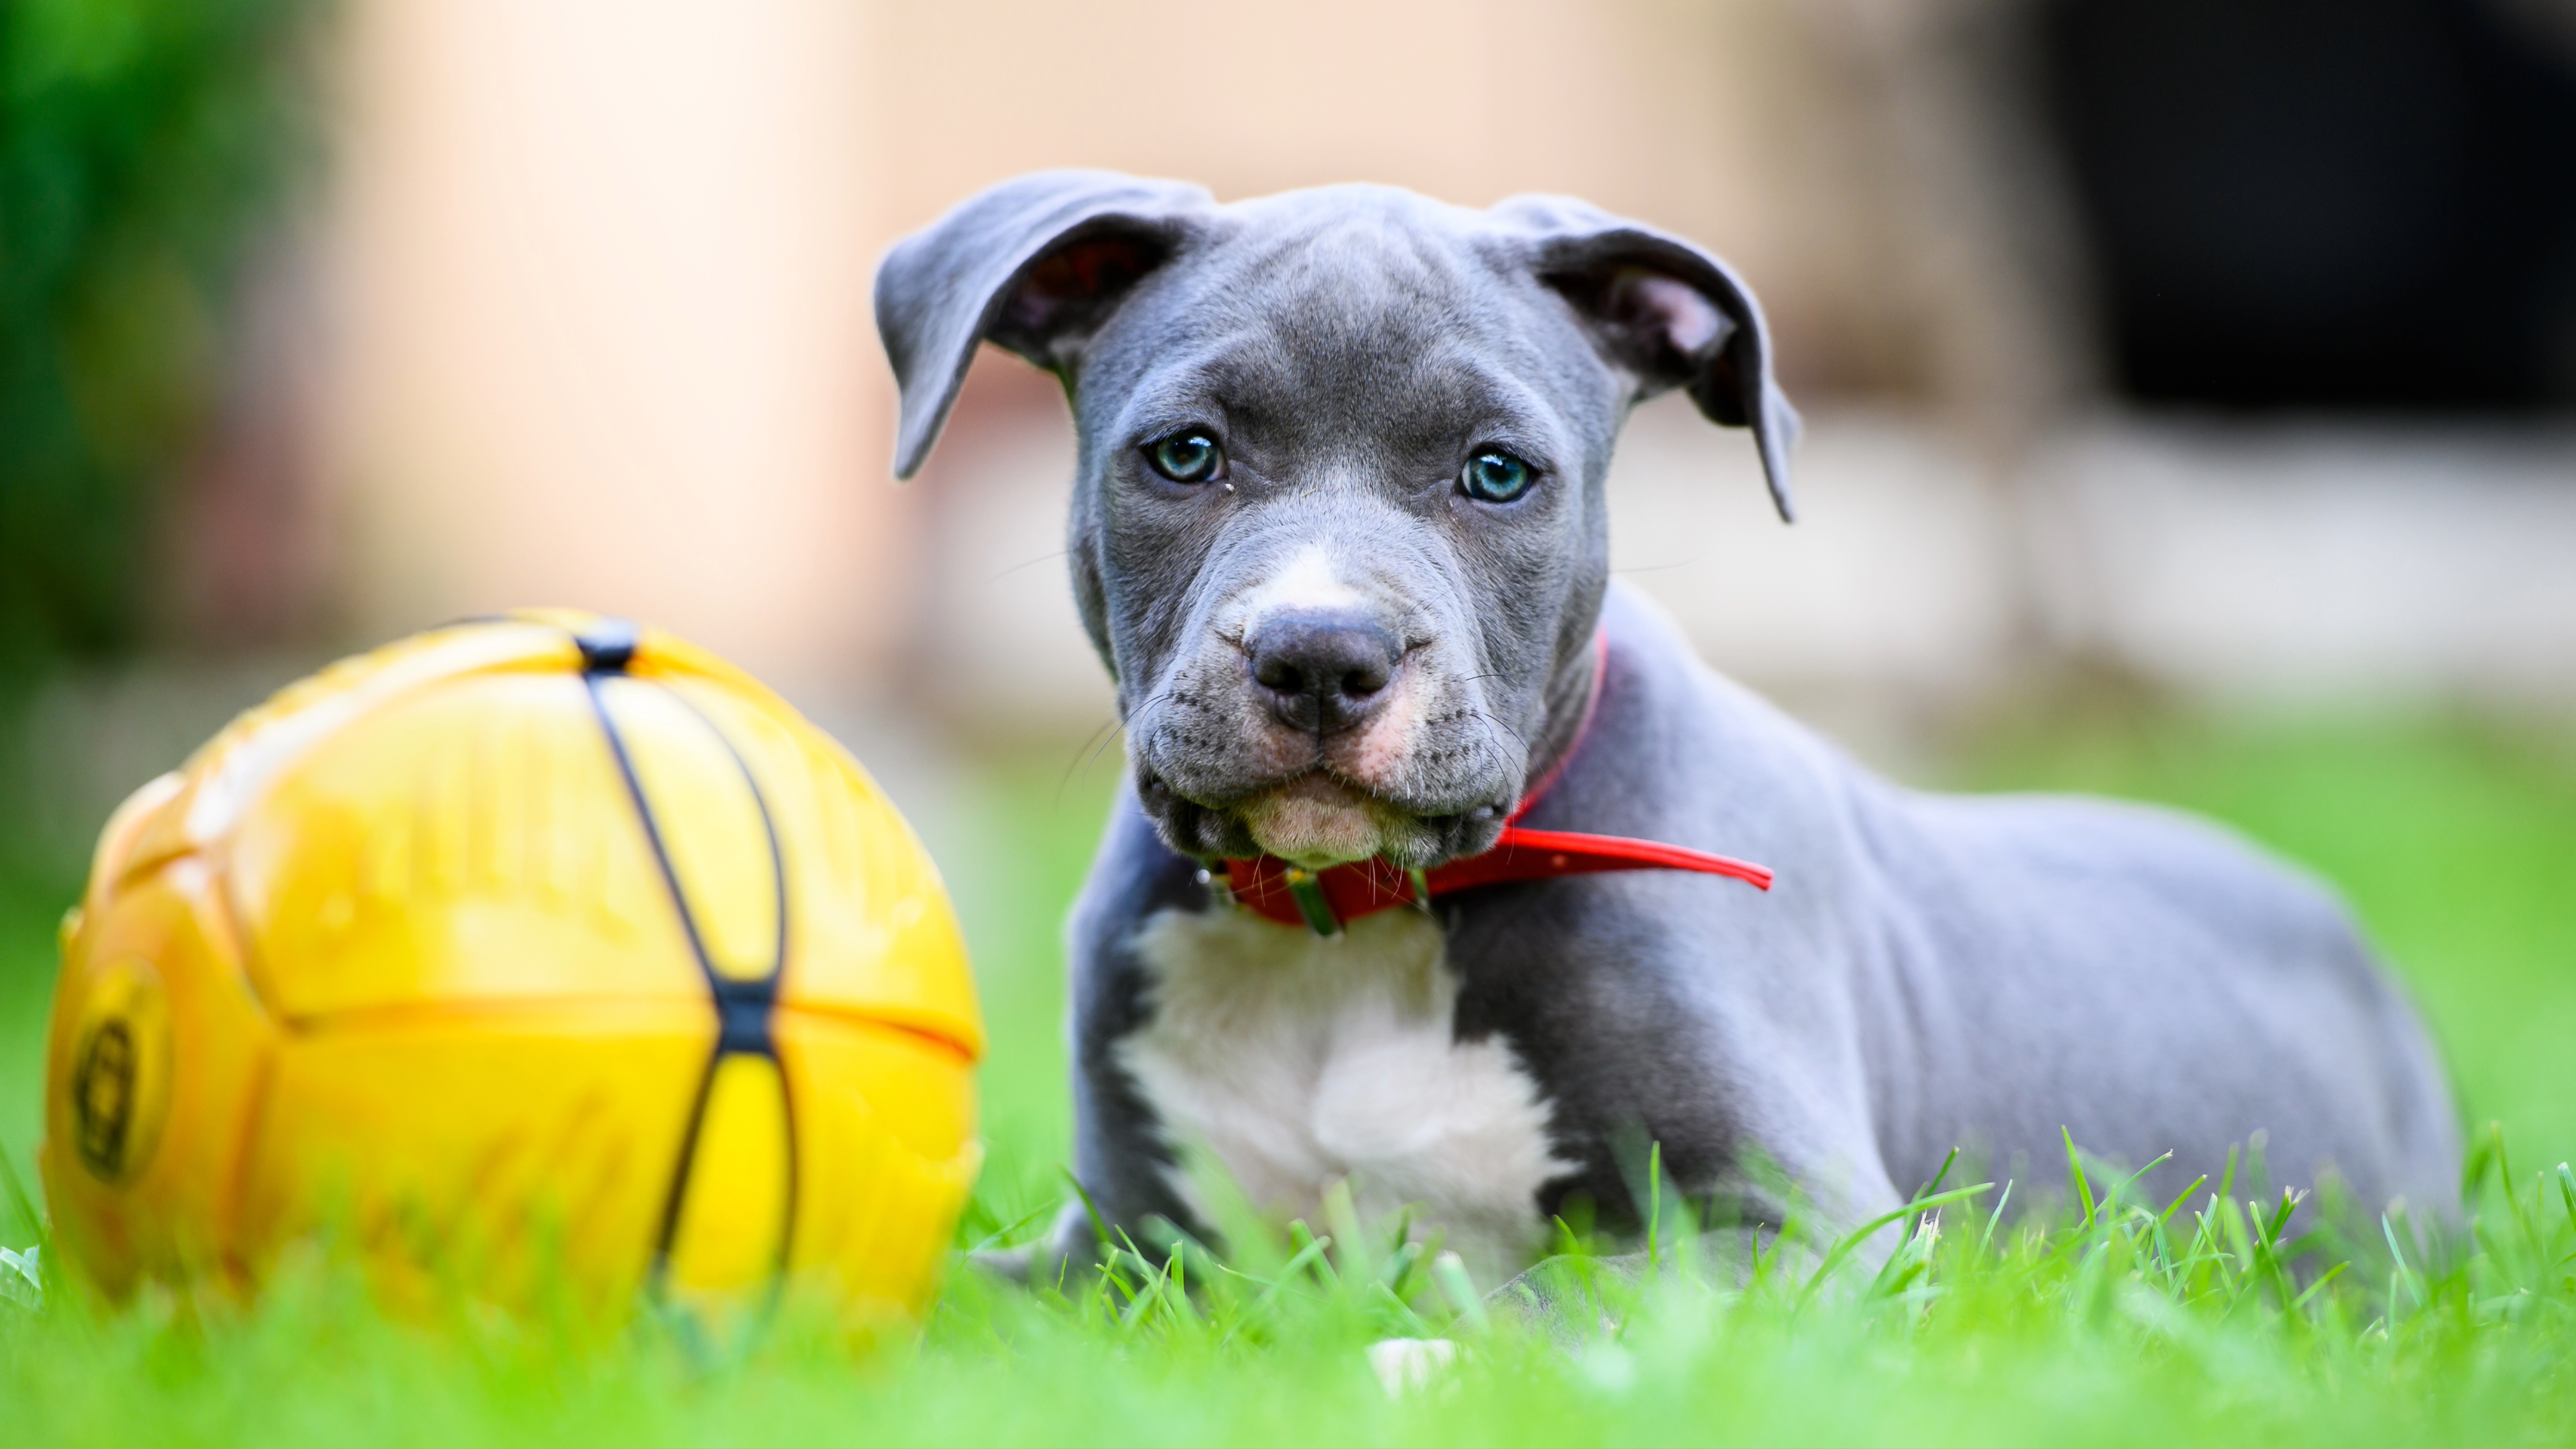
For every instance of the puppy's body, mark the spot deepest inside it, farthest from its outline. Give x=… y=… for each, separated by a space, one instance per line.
x=1338 y=532
x=1928 y=972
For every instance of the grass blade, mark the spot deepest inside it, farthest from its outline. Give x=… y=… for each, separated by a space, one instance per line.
x=2182 y=1197
x=2075 y=1171
x=1987 y=1240
x=1311 y=1253
x=22 y=1204
x=1450 y=1272
x=1654 y=1202
x=1001 y=1235
x=1850 y=1242
x=2131 y=1180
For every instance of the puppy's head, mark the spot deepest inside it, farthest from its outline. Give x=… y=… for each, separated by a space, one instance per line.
x=1338 y=522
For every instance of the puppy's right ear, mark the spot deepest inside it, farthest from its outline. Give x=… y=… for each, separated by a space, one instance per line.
x=1035 y=264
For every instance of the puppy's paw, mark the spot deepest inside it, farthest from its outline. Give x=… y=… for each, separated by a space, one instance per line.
x=1010 y=1265
x=1052 y=1261
x=1410 y=1365
x=1569 y=1300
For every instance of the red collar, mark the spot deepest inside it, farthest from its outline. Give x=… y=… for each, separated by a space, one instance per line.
x=1325 y=900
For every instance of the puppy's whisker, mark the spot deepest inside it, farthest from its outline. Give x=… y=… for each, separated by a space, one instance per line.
x=1117 y=727
x=1027 y=564
x=1083 y=754
x=1100 y=739
x=1492 y=723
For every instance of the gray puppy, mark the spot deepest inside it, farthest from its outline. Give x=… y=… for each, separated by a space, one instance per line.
x=1338 y=533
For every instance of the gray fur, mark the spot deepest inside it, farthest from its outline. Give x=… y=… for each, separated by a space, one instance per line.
x=1929 y=972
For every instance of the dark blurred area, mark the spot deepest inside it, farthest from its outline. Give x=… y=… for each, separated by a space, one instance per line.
x=147 y=151
x=2325 y=203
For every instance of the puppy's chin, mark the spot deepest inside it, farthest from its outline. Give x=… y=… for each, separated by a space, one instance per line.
x=1316 y=821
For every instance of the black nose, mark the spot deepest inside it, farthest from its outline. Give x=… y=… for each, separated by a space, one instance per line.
x=1321 y=670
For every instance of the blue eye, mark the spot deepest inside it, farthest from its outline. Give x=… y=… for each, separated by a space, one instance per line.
x=1494 y=476
x=1188 y=456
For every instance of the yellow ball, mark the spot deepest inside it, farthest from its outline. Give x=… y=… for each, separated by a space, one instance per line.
x=532 y=954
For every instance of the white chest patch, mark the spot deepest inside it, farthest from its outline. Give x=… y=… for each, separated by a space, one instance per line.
x=1298 y=1061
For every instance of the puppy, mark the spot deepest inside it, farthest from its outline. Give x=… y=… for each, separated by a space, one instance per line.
x=1338 y=533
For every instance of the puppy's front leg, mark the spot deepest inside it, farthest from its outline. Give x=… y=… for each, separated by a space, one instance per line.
x=1121 y=1155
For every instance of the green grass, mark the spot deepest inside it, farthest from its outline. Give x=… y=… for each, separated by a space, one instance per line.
x=2137 y=1326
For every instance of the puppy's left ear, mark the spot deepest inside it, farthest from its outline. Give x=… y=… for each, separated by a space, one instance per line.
x=1667 y=314
x=1035 y=264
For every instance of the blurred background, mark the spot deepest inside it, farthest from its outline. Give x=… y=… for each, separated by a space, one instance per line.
x=2191 y=389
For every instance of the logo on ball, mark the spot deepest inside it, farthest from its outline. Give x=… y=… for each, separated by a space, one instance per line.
x=121 y=1073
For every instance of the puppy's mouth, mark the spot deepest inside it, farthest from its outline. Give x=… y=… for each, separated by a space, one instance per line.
x=1315 y=820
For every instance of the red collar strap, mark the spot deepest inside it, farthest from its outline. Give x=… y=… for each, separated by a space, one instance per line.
x=1324 y=900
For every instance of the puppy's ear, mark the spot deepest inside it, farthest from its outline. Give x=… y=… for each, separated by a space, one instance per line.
x=1035 y=264
x=1665 y=313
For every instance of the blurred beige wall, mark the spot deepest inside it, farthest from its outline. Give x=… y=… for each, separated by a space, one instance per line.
x=601 y=266
x=601 y=271
x=1641 y=106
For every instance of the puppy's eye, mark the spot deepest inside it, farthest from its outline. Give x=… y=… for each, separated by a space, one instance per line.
x=1188 y=456
x=1494 y=476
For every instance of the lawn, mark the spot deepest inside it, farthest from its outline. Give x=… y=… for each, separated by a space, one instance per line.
x=2141 y=1324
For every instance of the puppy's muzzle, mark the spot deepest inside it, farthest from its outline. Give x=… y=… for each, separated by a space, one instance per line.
x=1322 y=671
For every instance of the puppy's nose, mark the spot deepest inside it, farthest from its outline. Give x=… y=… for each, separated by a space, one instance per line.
x=1323 y=670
